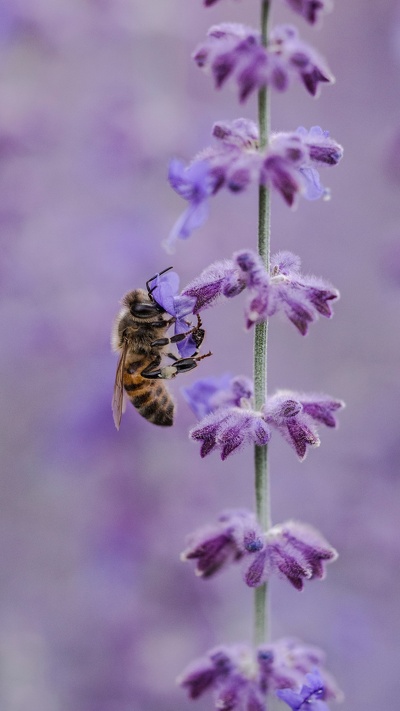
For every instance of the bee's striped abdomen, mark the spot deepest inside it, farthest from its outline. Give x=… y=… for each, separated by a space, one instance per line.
x=151 y=399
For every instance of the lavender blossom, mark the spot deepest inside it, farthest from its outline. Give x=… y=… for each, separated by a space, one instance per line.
x=301 y=58
x=195 y=184
x=218 y=280
x=235 y=51
x=215 y=547
x=209 y=394
x=292 y=550
x=241 y=679
x=310 y=697
x=300 y=298
x=165 y=290
x=229 y=429
x=288 y=165
x=294 y=415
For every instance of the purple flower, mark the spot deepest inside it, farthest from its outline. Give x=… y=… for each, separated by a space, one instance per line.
x=208 y=672
x=195 y=184
x=229 y=429
x=219 y=279
x=209 y=394
x=323 y=150
x=290 y=161
x=294 y=415
x=165 y=288
x=300 y=298
x=241 y=679
x=293 y=550
x=235 y=51
x=215 y=547
x=310 y=697
x=301 y=58
x=310 y=10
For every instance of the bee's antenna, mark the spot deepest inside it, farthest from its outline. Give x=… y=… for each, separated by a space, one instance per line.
x=150 y=291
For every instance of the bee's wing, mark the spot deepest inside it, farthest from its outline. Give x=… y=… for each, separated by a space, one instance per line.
x=118 y=404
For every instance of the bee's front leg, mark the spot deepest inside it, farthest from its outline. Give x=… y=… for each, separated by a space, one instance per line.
x=196 y=332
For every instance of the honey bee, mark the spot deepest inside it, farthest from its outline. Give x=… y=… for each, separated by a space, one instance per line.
x=139 y=334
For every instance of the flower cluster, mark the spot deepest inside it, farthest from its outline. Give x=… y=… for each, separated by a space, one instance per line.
x=234 y=51
x=289 y=165
x=241 y=679
x=227 y=425
x=291 y=550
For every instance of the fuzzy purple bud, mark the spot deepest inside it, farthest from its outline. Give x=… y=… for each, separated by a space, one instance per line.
x=236 y=534
x=292 y=550
x=294 y=416
x=300 y=58
x=300 y=298
x=298 y=552
x=322 y=149
x=229 y=429
x=217 y=280
x=207 y=672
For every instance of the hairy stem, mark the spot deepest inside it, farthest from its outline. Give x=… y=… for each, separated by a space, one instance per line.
x=261 y=616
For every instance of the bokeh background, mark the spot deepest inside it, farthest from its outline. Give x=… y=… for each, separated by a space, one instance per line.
x=97 y=613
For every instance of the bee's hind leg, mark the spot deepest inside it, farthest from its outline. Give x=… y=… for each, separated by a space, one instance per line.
x=168 y=372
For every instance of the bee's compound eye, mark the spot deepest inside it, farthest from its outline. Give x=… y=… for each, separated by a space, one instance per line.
x=145 y=309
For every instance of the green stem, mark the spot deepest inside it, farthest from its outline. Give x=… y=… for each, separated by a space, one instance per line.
x=261 y=616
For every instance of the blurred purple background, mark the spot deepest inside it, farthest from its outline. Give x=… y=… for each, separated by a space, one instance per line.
x=97 y=612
